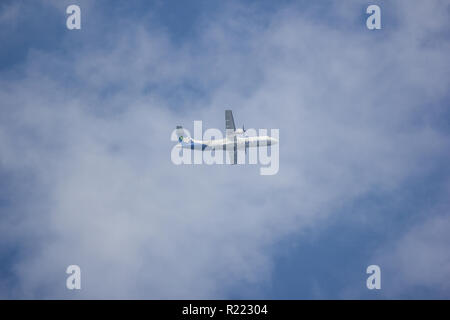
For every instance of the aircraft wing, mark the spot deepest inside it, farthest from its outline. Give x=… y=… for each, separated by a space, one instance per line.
x=229 y=123
x=232 y=148
x=230 y=128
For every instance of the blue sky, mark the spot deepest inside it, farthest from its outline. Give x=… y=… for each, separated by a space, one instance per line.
x=86 y=176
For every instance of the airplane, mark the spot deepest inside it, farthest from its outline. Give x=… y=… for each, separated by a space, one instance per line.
x=235 y=139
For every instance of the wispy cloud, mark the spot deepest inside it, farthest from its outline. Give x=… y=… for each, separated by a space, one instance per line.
x=90 y=128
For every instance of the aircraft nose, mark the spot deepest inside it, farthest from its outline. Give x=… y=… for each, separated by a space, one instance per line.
x=273 y=141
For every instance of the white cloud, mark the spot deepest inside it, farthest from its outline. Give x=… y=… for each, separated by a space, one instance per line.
x=419 y=261
x=112 y=202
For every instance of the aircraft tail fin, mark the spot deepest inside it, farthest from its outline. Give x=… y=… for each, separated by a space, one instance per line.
x=182 y=135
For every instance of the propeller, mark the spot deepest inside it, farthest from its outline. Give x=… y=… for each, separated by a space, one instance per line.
x=243 y=132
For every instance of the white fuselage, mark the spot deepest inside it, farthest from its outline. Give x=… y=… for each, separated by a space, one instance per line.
x=233 y=142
